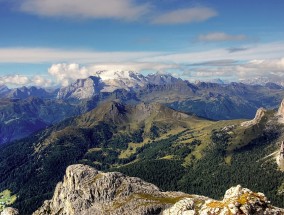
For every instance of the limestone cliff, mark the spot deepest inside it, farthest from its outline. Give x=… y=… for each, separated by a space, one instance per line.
x=86 y=191
x=280 y=157
x=258 y=116
x=280 y=112
x=281 y=109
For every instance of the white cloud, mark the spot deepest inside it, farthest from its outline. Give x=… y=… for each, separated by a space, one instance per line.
x=268 y=69
x=188 y=15
x=96 y=9
x=22 y=80
x=41 y=81
x=14 y=80
x=65 y=74
x=129 y=10
x=220 y=37
x=45 y=55
x=264 y=60
x=261 y=51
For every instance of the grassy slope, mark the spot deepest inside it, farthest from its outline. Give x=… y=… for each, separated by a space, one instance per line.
x=6 y=198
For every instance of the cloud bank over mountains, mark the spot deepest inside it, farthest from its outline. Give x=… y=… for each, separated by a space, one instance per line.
x=180 y=45
x=63 y=74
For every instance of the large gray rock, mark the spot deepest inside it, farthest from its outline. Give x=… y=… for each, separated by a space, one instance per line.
x=86 y=191
x=237 y=200
x=10 y=211
x=280 y=157
x=258 y=116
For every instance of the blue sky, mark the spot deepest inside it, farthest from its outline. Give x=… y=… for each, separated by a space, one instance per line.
x=192 y=39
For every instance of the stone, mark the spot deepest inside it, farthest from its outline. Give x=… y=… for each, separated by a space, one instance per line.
x=258 y=116
x=280 y=157
x=10 y=211
x=85 y=190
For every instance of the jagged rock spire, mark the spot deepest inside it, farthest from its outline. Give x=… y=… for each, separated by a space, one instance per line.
x=281 y=109
x=282 y=148
x=258 y=116
x=280 y=157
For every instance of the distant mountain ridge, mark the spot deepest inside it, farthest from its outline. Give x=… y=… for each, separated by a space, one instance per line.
x=25 y=92
x=108 y=82
x=209 y=100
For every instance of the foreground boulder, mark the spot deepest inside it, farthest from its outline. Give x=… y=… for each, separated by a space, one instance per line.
x=86 y=191
x=10 y=211
x=237 y=200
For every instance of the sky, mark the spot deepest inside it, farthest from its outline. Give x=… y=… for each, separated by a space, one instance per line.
x=53 y=42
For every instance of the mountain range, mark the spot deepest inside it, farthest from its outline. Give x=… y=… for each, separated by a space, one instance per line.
x=154 y=142
x=197 y=138
x=26 y=110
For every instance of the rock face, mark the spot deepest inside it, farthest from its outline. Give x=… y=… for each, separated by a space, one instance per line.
x=258 y=116
x=10 y=211
x=280 y=157
x=280 y=112
x=237 y=200
x=281 y=109
x=81 y=89
x=86 y=191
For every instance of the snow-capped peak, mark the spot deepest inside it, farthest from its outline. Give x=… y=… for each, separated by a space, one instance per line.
x=113 y=74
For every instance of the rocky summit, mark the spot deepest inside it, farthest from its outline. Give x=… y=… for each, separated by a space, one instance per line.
x=86 y=191
x=258 y=116
x=280 y=157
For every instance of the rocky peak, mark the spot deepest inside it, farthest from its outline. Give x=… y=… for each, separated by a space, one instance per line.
x=258 y=116
x=4 y=89
x=85 y=191
x=280 y=111
x=281 y=108
x=81 y=89
x=162 y=79
x=280 y=157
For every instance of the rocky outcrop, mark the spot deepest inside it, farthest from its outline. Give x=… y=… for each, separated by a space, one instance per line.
x=237 y=200
x=258 y=116
x=281 y=109
x=81 y=89
x=10 y=211
x=280 y=112
x=280 y=157
x=86 y=191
